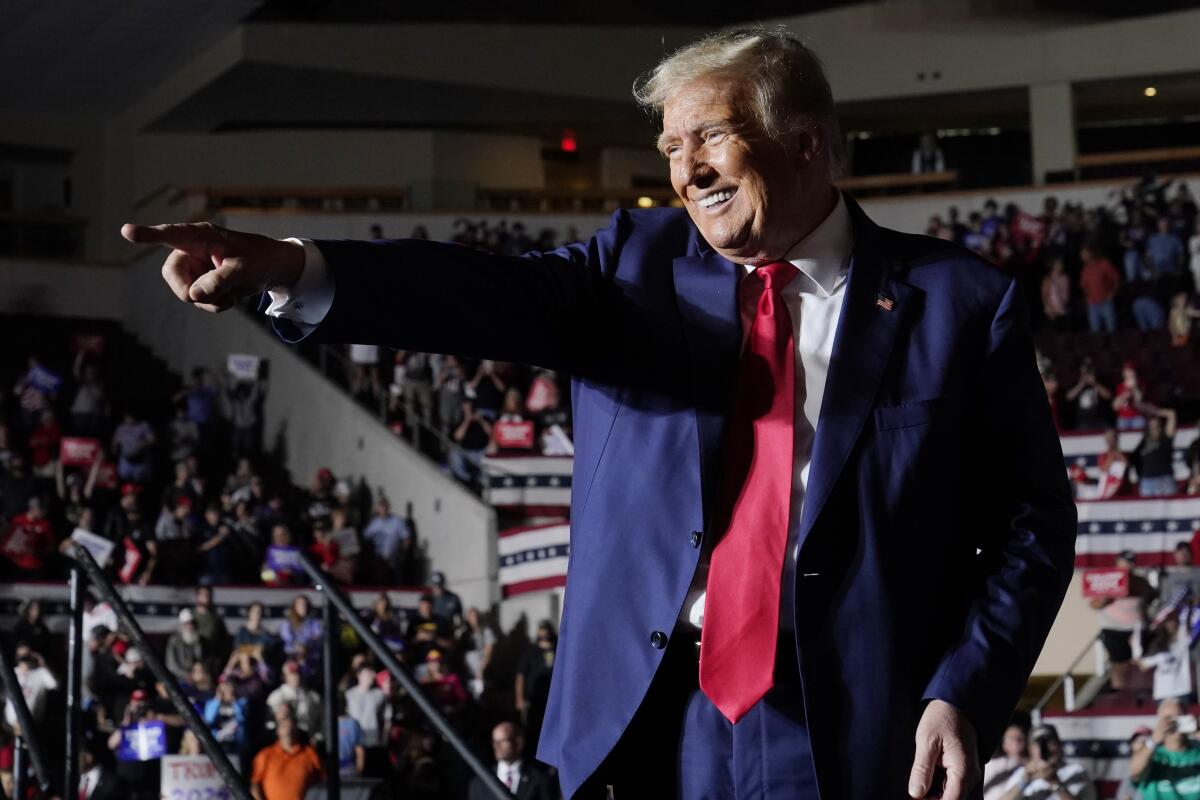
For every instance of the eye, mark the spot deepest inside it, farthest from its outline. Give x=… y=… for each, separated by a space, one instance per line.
x=713 y=135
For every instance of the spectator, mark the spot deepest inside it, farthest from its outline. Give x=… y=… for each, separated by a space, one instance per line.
x=1092 y=399
x=345 y=539
x=391 y=540
x=449 y=388
x=96 y=780
x=202 y=400
x=305 y=704
x=131 y=443
x=427 y=630
x=476 y=644
x=28 y=545
x=414 y=374
x=198 y=688
x=1140 y=738
x=1169 y=766
x=1164 y=251
x=352 y=755
x=174 y=532
x=31 y=631
x=446 y=604
x=1099 y=281
x=1179 y=319
x=225 y=715
x=365 y=704
x=183 y=435
x=44 y=441
x=36 y=390
x=245 y=400
x=1129 y=403
x=1048 y=774
x=17 y=486
x=214 y=545
x=36 y=682
x=1181 y=574
x=472 y=436
x=1056 y=296
x=280 y=564
x=1155 y=456
x=928 y=157
x=184 y=647
x=252 y=635
x=525 y=779
x=1014 y=755
x=487 y=389
x=385 y=624
x=1120 y=617
x=302 y=634
x=323 y=549
x=210 y=625
x=249 y=675
x=287 y=769
x=1168 y=650
x=443 y=686
x=89 y=406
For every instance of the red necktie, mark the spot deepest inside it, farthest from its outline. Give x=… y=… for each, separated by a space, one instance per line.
x=741 y=606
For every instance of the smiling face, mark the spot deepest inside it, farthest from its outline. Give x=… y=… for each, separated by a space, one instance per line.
x=751 y=197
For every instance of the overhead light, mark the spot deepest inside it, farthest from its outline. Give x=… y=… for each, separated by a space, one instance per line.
x=1150 y=91
x=645 y=202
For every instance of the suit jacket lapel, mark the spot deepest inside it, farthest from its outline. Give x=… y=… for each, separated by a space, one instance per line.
x=861 y=347
x=706 y=293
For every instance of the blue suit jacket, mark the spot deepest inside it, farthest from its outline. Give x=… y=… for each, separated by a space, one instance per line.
x=938 y=530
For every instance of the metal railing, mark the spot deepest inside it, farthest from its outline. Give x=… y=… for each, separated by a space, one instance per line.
x=336 y=603
x=229 y=774
x=26 y=741
x=1066 y=682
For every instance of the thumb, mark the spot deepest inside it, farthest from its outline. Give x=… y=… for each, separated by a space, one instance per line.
x=924 y=764
x=216 y=284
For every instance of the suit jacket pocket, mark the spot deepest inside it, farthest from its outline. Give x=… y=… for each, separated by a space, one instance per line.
x=906 y=415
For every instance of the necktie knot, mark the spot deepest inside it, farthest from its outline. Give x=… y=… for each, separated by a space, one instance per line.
x=776 y=275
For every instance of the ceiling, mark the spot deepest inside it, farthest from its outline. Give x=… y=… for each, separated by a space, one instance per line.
x=98 y=56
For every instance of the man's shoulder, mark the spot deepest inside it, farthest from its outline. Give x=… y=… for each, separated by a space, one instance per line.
x=938 y=265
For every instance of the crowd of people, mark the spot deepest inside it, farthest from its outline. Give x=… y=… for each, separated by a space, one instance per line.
x=258 y=685
x=178 y=491
x=1132 y=262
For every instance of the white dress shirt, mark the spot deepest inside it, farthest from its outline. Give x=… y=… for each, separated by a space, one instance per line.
x=814 y=302
x=88 y=782
x=509 y=773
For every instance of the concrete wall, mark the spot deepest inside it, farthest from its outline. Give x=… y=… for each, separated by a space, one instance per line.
x=323 y=428
x=60 y=288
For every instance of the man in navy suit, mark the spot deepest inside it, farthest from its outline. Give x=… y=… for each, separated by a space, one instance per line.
x=820 y=521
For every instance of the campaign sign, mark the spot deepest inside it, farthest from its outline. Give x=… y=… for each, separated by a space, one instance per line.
x=100 y=548
x=510 y=434
x=284 y=559
x=45 y=380
x=78 y=451
x=242 y=366
x=191 y=778
x=1106 y=582
x=145 y=741
x=106 y=477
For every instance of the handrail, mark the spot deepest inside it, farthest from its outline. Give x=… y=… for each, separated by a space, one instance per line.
x=1061 y=679
x=12 y=688
x=1136 y=157
x=326 y=586
x=229 y=774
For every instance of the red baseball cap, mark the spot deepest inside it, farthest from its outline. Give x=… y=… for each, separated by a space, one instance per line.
x=137 y=696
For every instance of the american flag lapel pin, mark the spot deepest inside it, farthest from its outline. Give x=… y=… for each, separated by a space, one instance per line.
x=884 y=302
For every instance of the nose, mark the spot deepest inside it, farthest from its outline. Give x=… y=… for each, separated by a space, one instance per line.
x=694 y=168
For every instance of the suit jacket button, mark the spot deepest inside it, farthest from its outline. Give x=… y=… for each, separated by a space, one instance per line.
x=658 y=640
x=696 y=537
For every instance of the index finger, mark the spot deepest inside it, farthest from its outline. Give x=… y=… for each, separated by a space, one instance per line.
x=191 y=237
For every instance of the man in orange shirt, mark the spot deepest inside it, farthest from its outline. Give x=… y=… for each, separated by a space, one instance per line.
x=286 y=769
x=1099 y=280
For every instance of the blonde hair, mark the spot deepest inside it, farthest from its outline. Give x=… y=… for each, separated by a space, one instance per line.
x=786 y=91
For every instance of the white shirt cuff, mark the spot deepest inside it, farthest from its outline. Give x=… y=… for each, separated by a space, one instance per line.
x=308 y=300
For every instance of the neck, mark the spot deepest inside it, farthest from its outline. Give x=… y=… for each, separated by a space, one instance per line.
x=815 y=214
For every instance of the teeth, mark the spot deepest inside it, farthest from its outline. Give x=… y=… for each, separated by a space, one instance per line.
x=714 y=198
